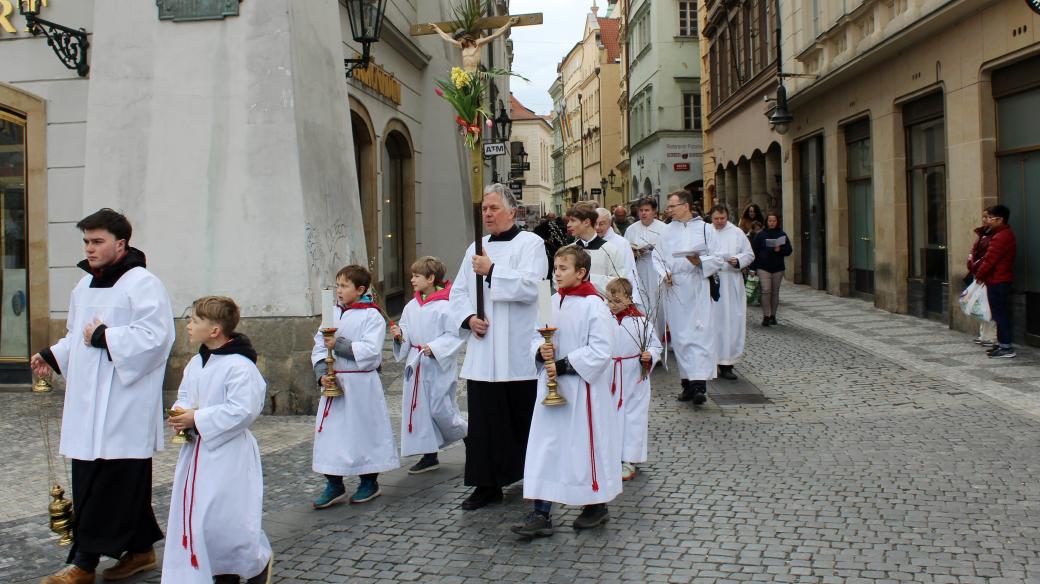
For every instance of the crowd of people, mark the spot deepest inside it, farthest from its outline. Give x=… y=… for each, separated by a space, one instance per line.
x=620 y=301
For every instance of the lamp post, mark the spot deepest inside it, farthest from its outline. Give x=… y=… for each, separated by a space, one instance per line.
x=501 y=128
x=781 y=118
x=603 y=190
x=366 y=22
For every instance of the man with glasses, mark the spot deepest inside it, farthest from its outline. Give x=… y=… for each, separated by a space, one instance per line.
x=684 y=264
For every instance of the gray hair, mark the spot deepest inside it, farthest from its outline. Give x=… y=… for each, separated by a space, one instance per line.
x=602 y=212
x=503 y=191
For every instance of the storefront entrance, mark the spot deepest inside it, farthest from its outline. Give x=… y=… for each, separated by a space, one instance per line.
x=14 y=265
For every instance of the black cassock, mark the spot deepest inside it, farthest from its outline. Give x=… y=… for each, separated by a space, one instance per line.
x=499 y=422
x=112 y=504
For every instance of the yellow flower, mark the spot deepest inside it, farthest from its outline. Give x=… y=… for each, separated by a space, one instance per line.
x=459 y=77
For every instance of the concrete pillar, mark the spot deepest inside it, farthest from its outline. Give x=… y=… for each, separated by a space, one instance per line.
x=758 y=180
x=773 y=199
x=743 y=186
x=731 y=187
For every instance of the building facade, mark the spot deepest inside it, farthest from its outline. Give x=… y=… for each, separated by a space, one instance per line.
x=664 y=97
x=559 y=175
x=738 y=56
x=531 y=146
x=911 y=117
x=268 y=138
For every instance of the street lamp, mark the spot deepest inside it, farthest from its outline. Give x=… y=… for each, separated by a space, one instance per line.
x=603 y=188
x=611 y=177
x=366 y=21
x=503 y=126
x=781 y=119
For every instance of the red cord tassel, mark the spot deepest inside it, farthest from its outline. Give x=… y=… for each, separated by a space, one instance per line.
x=325 y=414
x=592 y=439
x=415 y=388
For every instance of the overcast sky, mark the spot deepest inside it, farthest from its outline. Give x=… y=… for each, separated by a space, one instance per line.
x=538 y=49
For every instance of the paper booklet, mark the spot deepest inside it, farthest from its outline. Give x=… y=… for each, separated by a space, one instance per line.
x=775 y=242
x=696 y=251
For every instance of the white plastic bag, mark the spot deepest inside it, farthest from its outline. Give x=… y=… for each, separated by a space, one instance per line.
x=974 y=302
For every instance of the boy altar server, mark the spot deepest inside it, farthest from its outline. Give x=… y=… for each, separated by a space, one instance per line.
x=572 y=453
x=427 y=340
x=631 y=361
x=120 y=331
x=214 y=532
x=352 y=433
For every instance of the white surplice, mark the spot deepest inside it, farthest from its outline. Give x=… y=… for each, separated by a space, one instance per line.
x=687 y=302
x=572 y=452
x=352 y=433
x=729 y=321
x=430 y=416
x=629 y=272
x=649 y=282
x=218 y=487
x=608 y=262
x=510 y=303
x=630 y=392
x=114 y=405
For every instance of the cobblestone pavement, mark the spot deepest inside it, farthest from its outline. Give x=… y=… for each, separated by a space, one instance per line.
x=890 y=451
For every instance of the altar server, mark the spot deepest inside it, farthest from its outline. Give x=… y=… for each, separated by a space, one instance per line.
x=572 y=455
x=214 y=533
x=427 y=340
x=607 y=261
x=643 y=236
x=352 y=433
x=113 y=357
x=730 y=318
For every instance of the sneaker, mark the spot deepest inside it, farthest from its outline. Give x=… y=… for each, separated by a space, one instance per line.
x=766 y=321
x=70 y=574
x=332 y=495
x=425 y=464
x=130 y=564
x=987 y=343
x=365 y=492
x=1002 y=353
x=592 y=516
x=481 y=497
x=628 y=471
x=978 y=340
x=534 y=524
x=263 y=577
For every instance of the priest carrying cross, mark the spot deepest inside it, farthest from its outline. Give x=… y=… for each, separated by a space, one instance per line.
x=502 y=376
x=113 y=357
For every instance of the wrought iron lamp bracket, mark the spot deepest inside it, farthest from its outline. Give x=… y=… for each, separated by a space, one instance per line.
x=69 y=44
x=362 y=63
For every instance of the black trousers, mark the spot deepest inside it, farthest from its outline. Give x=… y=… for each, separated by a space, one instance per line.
x=499 y=423
x=112 y=503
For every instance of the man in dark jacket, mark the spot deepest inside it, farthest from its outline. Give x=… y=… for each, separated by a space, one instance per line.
x=997 y=272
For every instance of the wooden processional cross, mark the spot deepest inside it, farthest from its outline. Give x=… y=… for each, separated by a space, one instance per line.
x=476 y=156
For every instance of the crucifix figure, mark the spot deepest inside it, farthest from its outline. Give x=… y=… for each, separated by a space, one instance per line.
x=471 y=46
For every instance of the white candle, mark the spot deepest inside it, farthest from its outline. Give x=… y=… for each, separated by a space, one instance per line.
x=328 y=309
x=544 y=303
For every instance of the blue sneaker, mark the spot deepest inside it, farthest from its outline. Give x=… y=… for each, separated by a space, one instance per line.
x=332 y=495
x=365 y=492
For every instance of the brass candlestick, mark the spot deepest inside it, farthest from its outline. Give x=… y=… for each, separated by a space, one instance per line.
x=330 y=362
x=184 y=436
x=60 y=511
x=553 y=398
x=42 y=385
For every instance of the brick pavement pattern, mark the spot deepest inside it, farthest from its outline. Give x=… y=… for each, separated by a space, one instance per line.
x=890 y=450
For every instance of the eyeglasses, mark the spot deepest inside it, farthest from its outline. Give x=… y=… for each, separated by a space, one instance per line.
x=670 y=207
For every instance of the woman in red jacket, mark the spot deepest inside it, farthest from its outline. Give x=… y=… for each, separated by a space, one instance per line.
x=997 y=272
x=987 y=328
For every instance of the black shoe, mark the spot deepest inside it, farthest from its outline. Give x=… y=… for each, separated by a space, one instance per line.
x=1002 y=353
x=766 y=321
x=592 y=516
x=687 y=391
x=772 y=320
x=481 y=497
x=700 y=391
x=534 y=524
x=427 y=463
x=263 y=577
x=726 y=372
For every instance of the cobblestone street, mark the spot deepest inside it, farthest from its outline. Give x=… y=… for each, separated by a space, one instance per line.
x=888 y=449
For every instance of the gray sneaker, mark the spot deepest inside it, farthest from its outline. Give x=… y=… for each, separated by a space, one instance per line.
x=592 y=516
x=534 y=525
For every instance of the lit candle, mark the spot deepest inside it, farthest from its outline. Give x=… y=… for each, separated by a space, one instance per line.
x=328 y=309
x=544 y=302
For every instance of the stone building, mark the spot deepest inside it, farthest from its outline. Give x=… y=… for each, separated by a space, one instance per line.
x=663 y=80
x=532 y=144
x=247 y=162
x=911 y=117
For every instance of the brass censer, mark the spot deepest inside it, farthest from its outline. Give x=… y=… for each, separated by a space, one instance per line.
x=59 y=511
x=330 y=364
x=553 y=397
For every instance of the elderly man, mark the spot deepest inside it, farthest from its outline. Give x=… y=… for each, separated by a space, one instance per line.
x=621 y=219
x=643 y=237
x=733 y=248
x=499 y=368
x=628 y=271
x=684 y=262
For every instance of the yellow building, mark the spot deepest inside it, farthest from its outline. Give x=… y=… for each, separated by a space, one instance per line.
x=909 y=118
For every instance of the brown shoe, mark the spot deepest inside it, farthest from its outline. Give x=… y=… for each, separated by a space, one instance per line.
x=131 y=564
x=70 y=574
